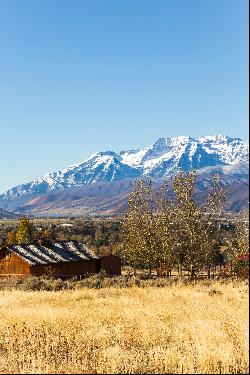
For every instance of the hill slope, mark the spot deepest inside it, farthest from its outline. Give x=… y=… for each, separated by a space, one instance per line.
x=7 y=215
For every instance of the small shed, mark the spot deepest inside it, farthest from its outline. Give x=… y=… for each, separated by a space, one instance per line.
x=61 y=259
x=111 y=264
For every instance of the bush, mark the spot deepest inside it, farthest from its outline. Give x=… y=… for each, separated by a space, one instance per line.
x=33 y=283
x=241 y=266
x=100 y=280
x=213 y=292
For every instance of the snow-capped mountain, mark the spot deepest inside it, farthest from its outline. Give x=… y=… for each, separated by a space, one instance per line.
x=101 y=166
x=167 y=155
x=163 y=158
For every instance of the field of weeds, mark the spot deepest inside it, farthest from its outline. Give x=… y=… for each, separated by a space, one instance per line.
x=193 y=328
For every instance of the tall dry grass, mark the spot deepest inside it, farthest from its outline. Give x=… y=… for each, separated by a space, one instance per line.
x=175 y=329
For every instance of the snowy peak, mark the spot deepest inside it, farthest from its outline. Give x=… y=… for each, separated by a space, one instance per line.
x=158 y=148
x=218 y=138
x=182 y=140
x=163 y=158
x=229 y=150
x=101 y=166
x=160 y=145
x=167 y=155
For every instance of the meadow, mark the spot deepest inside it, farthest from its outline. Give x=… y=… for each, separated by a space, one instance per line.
x=193 y=328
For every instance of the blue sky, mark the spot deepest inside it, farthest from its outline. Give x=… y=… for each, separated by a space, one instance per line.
x=81 y=76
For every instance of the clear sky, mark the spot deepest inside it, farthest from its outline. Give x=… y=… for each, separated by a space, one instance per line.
x=81 y=76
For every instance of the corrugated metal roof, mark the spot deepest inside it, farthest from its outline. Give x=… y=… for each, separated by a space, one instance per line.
x=53 y=252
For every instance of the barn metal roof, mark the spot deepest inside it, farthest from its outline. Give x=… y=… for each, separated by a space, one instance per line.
x=53 y=252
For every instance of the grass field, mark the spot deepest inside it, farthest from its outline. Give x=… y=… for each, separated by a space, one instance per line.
x=175 y=329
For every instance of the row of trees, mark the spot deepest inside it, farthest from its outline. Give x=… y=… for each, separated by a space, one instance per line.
x=100 y=235
x=172 y=229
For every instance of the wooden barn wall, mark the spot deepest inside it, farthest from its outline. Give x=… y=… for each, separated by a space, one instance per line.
x=111 y=264
x=65 y=269
x=10 y=264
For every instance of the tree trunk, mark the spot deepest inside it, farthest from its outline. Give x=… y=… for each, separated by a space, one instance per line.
x=180 y=268
x=208 y=272
x=192 y=272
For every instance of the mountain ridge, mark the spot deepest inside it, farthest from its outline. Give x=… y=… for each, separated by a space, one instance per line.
x=160 y=160
x=6 y=215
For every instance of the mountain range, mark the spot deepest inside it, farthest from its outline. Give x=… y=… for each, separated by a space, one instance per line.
x=101 y=184
x=5 y=215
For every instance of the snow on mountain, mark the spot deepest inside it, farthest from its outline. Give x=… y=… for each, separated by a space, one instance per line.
x=101 y=166
x=163 y=158
x=167 y=155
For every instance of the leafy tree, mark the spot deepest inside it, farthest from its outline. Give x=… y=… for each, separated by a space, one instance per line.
x=243 y=234
x=196 y=229
x=159 y=230
x=48 y=232
x=11 y=238
x=165 y=230
x=138 y=227
x=25 y=232
x=240 y=255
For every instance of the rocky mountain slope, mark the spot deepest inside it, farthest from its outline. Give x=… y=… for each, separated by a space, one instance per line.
x=163 y=158
x=71 y=190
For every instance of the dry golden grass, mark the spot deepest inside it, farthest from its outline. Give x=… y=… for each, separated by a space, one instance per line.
x=176 y=329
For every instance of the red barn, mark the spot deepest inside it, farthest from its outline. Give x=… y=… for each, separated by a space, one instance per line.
x=62 y=259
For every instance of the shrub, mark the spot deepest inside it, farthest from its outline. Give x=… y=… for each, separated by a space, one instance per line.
x=213 y=292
